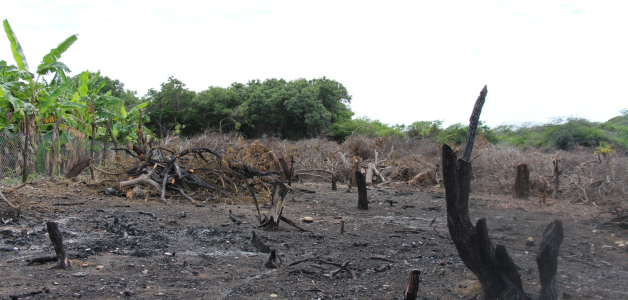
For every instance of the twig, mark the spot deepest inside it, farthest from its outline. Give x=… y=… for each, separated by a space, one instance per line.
x=147 y=213
x=103 y=171
x=580 y=261
x=7 y=201
x=15 y=188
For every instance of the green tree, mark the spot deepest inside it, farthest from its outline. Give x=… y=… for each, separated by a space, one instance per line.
x=166 y=106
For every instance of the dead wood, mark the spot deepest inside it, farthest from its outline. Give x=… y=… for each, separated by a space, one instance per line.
x=289 y=222
x=27 y=294
x=343 y=268
x=147 y=213
x=78 y=168
x=15 y=188
x=234 y=219
x=272 y=260
x=276 y=204
x=547 y=259
x=557 y=170
x=494 y=268
x=369 y=174
x=7 y=201
x=362 y=193
x=144 y=178
x=521 y=189
x=259 y=245
x=57 y=242
x=42 y=260
x=422 y=177
x=474 y=120
x=412 y=289
x=69 y=204
x=382 y=268
x=259 y=215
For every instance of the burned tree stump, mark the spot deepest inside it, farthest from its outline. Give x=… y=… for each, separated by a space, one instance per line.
x=547 y=259
x=362 y=196
x=57 y=242
x=334 y=181
x=494 y=268
x=412 y=289
x=522 y=182
x=276 y=205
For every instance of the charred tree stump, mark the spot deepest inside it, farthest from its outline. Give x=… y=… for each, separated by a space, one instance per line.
x=412 y=289
x=259 y=245
x=334 y=183
x=522 y=182
x=547 y=259
x=362 y=196
x=272 y=260
x=57 y=242
x=494 y=268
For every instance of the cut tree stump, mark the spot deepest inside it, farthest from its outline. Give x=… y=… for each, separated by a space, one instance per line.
x=362 y=196
x=57 y=242
x=276 y=205
x=78 y=168
x=412 y=289
x=522 y=182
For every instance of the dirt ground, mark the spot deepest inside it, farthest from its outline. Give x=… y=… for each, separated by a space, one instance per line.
x=119 y=250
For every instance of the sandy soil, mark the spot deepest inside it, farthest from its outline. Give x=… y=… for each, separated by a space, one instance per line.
x=119 y=250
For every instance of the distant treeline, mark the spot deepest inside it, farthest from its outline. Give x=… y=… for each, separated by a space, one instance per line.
x=319 y=108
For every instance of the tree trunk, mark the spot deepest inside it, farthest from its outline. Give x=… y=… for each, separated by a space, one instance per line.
x=78 y=168
x=25 y=152
x=362 y=196
x=284 y=167
x=334 y=181
x=412 y=289
x=57 y=242
x=276 y=204
x=105 y=141
x=140 y=133
x=369 y=174
x=557 y=172
x=494 y=268
x=474 y=121
x=54 y=147
x=91 y=149
x=522 y=182
x=547 y=259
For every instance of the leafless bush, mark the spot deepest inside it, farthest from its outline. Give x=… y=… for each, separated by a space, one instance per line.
x=584 y=176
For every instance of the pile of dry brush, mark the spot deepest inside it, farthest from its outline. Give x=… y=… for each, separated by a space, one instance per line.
x=225 y=165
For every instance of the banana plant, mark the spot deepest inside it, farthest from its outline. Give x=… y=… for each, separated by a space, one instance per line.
x=20 y=90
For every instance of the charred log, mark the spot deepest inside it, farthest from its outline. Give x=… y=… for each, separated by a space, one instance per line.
x=362 y=193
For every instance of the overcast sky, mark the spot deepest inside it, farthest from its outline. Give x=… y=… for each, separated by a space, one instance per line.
x=402 y=61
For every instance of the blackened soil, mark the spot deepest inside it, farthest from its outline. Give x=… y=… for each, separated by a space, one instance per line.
x=120 y=250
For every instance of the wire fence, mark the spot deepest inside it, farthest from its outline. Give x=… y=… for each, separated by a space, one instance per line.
x=39 y=154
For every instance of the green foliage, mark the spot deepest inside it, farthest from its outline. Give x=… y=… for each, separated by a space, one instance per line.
x=457 y=134
x=363 y=126
x=166 y=107
x=295 y=109
x=424 y=129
